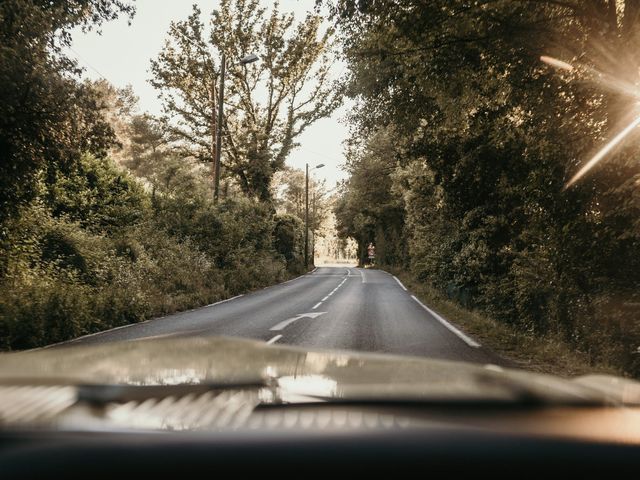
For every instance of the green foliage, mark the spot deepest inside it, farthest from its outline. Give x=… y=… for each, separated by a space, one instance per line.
x=84 y=245
x=369 y=209
x=47 y=119
x=462 y=144
x=259 y=133
x=93 y=252
x=42 y=310
x=249 y=269
x=289 y=241
x=289 y=189
x=98 y=195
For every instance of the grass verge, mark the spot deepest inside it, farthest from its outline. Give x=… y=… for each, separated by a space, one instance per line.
x=540 y=354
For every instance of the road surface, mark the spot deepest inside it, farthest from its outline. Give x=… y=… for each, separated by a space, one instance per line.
x=332 y=307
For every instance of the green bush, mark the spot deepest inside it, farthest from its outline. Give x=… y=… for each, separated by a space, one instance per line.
x=289 y=241
x=90 y=254
x=40 y=308
x=99 y=195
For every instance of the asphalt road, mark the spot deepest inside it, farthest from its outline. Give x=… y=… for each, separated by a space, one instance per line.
x=332 y=307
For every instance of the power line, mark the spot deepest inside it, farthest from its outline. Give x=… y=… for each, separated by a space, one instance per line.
x=80 y=57
x=321 y=155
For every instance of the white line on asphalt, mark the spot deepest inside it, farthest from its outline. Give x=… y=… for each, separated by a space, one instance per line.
x=274 y=339
x=342 y=275
x=284 y=323
x=221 y=301
x=300 y=276
x=334 y=290
x=328 y=295
x=467 y=340
x=400 y=283
x=364 y=280
x=88 y=335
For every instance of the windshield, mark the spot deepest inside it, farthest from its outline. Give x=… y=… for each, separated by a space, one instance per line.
x=446 y=180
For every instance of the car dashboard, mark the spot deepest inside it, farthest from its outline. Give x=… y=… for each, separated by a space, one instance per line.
x=67 y=430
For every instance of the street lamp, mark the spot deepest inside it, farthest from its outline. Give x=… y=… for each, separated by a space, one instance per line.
x=252 y=57
x=306 y=214
x=223 y=65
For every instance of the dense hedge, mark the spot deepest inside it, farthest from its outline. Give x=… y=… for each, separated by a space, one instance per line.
x=94 y=250
x=462 y=148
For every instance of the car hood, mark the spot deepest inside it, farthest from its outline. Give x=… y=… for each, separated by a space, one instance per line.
x=296 y=374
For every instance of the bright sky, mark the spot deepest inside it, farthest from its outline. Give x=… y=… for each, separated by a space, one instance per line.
x=122 y=55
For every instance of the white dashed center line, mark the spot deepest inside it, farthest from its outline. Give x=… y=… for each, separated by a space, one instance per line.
x=329 y=294
x=282 y=325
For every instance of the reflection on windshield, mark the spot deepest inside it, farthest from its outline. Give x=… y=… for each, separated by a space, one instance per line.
x=170 y=376
x=311 y=385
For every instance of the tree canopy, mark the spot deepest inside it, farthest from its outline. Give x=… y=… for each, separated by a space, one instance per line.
x=268 y=104
x=463 y=142
x=47 y=119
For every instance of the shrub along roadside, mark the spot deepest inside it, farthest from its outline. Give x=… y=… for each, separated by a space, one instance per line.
x=548 y=354
x=93 y=251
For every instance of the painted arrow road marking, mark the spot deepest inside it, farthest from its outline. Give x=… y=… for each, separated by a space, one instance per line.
x=288 y=321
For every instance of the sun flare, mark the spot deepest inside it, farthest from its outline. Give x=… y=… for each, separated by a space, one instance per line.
x=609 y=83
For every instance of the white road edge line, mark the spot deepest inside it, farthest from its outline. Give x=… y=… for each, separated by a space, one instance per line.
x=91 y=335
x=296 y=278
x=88 y=335
x=462 y=336
x=316 y=305
x=221 y=301
x=325 y=298
x=400 y=283
x=274 y=339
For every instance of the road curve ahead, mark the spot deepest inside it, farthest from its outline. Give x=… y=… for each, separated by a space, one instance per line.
x=331 y=308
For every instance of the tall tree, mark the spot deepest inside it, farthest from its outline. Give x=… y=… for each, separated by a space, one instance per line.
x=289 y=186
x=47 y=119
x=268 y=104
x=370 y=210
x=491 y=137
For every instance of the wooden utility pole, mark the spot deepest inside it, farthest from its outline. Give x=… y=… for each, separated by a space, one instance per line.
x=306 y=218
x=214 y=132
x=218 y=147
